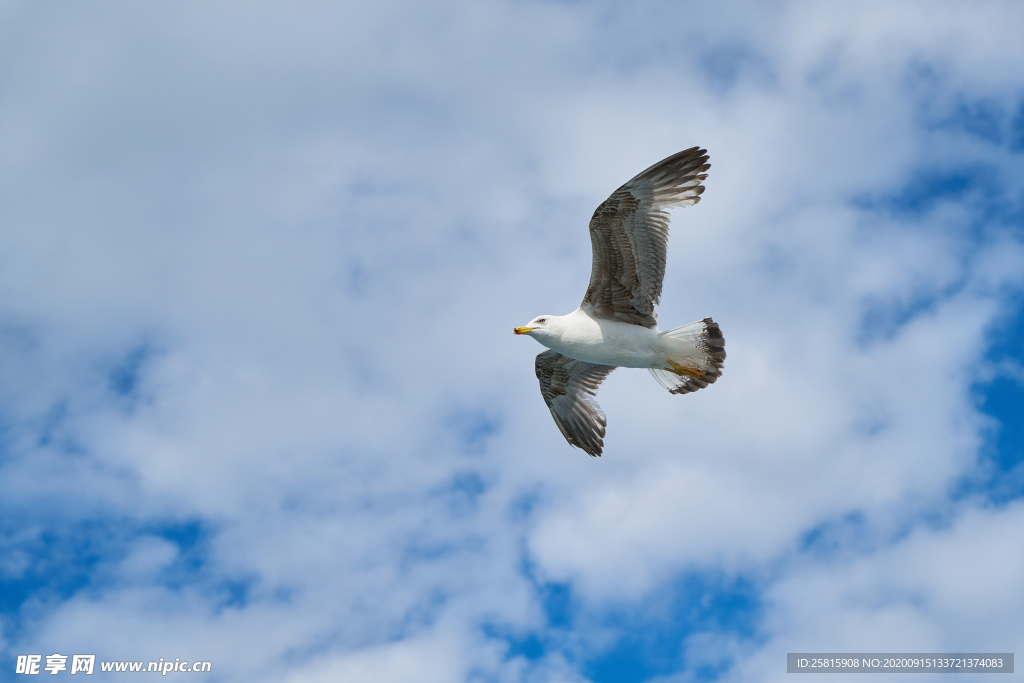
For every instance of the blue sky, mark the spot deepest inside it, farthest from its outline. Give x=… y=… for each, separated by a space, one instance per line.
x=260 y=403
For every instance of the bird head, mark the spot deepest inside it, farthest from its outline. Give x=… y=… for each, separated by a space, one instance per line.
x=536 y=327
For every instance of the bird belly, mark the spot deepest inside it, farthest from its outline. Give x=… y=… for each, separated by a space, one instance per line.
x=612 y=343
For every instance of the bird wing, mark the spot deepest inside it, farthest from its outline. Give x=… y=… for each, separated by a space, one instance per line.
x=629 y=236
x=568 y=387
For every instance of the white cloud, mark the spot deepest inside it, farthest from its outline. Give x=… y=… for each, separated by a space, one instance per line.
x=314 y=229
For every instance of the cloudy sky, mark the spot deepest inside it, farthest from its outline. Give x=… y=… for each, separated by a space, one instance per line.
x=260 y=402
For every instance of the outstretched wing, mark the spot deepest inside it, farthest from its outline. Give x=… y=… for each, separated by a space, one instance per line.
x=568 y=387
x=629 y=236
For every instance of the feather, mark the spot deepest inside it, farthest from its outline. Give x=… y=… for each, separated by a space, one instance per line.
x=629 y=238
x=568 y=387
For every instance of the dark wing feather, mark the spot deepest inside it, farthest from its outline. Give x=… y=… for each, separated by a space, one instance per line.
x=629 y=236
x=568 y=387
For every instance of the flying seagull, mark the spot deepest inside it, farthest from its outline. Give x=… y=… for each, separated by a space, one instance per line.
x=615 y=325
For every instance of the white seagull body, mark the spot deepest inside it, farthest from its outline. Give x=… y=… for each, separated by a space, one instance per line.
x=615 y=324
x=581 y=336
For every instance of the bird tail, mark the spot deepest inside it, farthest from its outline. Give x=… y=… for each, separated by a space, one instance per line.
x=696 y=356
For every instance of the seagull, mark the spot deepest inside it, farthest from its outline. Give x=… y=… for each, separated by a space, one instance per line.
x=615 y=325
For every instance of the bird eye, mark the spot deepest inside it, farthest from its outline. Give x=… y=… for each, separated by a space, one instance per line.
x=542 y=321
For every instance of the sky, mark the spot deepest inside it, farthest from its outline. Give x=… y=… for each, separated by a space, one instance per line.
x=260 y=400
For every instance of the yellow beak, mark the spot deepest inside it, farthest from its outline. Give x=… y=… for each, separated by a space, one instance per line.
x=523 y=330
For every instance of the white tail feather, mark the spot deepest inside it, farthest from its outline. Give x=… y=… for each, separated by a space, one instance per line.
x=691 y=332
x=701 y=348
